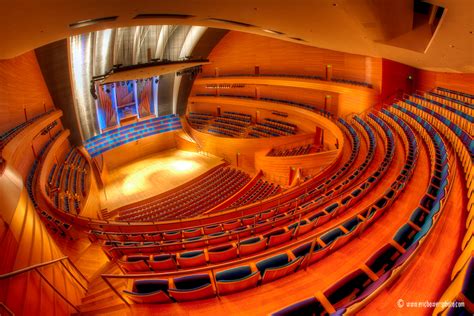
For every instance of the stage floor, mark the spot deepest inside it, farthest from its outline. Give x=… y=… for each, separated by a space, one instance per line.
x=152 y=175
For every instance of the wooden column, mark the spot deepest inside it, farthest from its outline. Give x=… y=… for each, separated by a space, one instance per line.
x=328 y=72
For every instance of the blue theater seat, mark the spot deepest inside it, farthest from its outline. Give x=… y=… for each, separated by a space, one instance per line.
x=307 y=307
x=383 y=260
x=192 y=287
x=149 y=291
x=236 y=280
x=252 y=245
x=278 y=236
x=222 y=253
x=277 y=266
x=347 y=288
x=219 y=237
x=163 y=262
x=305 y=226
x=191 y=259
x=136 y=263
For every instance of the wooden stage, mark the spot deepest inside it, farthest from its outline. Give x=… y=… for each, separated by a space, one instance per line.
x=152 y=175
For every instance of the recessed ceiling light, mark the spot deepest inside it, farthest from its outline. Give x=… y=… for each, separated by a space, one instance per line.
x=89 y=22
x=237 y=23
x=273 y=32
x=298 y=39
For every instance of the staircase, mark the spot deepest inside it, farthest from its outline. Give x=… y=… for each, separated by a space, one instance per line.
x=99 y=296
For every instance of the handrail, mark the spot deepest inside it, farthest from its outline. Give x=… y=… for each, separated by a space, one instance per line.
x=29 y=268
x=36 y=267
x=47 y=263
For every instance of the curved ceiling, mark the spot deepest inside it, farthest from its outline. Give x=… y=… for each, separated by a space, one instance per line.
x=366 y=27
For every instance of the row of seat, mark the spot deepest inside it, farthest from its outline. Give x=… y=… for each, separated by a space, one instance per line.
x=361 y=283
x=67 y=187
x=187 y=202
x=295 y=151
x=282 y=130
x=453 y=94
x=116 y=137
x=462 y=119
x=457 y=291
x=312 y=77
x=454 y=103
x=5 y=137
x=352 y=82
x=54 y=224
x=261 y=190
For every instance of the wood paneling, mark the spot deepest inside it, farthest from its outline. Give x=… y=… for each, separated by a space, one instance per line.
x=427 y=80
x=348 y=98
x=239 y=53
x=395 y=78
x=19 y=152
x=277 y=169
x=26 y=242
x=21 y=87
x=143 y=147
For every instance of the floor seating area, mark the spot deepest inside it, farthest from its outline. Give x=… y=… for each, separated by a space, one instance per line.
x=259 y=191
x=216 y=186
x=68 y=182
x=121 y=135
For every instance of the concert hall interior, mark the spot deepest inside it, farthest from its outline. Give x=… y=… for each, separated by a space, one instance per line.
x=237 y=158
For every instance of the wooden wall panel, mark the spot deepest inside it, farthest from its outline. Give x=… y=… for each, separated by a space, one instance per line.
x=428 y=80
x=19 y=152
x=28 y=242
x=239 y=53
x=277 y=169
x=347 y=98
x=395 y=78
x=140 y=148
x=21 y=87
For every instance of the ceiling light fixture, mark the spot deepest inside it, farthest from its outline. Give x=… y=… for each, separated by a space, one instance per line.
x=273 y=32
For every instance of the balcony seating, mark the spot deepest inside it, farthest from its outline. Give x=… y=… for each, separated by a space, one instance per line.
x=192 y=287
x=149 y=292
x=236 y=280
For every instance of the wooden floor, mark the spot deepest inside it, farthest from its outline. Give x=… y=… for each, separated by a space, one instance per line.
x=153 y=175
